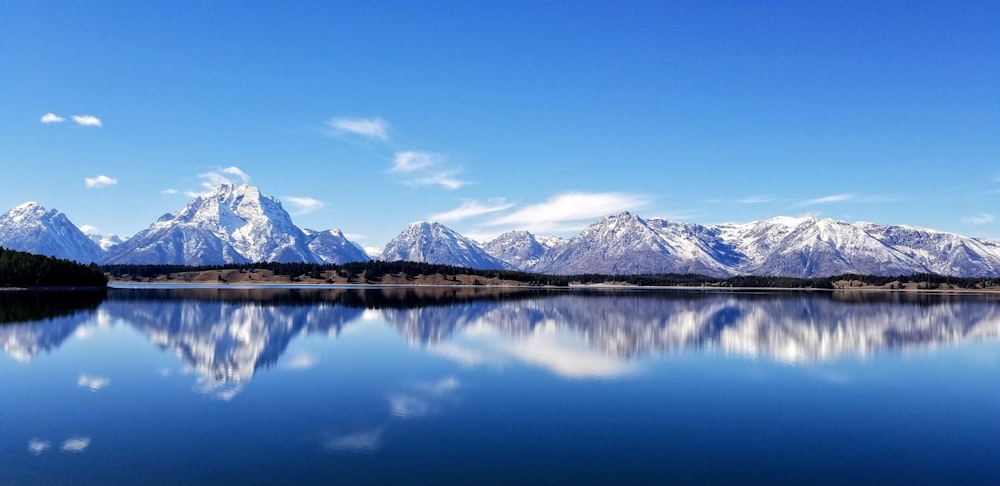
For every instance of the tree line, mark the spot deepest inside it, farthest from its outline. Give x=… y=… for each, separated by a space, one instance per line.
x=373 y=271
x=22 y=269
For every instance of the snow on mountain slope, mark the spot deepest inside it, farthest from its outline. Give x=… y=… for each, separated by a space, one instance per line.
x=34 y=229
x=939 y=252
x=106 y=241
x=520 y=249
x=233 y=223
x=811 y=247
x=628 y=244
x=436 y=243
x=333 y=247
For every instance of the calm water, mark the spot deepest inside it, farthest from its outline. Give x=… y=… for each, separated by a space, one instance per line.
x=483 y=386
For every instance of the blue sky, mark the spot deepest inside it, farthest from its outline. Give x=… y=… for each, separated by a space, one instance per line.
x=490 y=116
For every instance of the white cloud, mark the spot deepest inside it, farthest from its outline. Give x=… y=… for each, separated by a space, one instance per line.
x=835 y=198
x=237 y=172
x=426 y=169
x=569 y=211
x=225 y=175
x=169 y=191
x=94 y=383
x=304 y=205
x=76 y=444
x=362 y=442
x=52 y=118
x=411 y=161
x=755 y=200
x=87 y=120
x=470 y=208
x=374 y=128
x=89 y=229
x=99 y=181
x=407 y=406
x=444 y=385
x=302 y=361
x=981 y=218
x=37 y=446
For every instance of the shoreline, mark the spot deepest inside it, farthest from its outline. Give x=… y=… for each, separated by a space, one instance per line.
x=321 y=285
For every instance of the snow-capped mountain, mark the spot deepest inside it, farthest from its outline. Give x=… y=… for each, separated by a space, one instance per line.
x=796 y=247
x=333 y=247
x=628 y=244
x=436 y=243
x=34 y=229
x=107 y=241
x=234 y=223
x=810 y=247
x=521 y=249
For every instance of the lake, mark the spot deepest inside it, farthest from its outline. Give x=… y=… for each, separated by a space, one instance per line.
x=498 y=386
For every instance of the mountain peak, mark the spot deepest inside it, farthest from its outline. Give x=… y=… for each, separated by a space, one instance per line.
x=32 y=228
x=433 y=242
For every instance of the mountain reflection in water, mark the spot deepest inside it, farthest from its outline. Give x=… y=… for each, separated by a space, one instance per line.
x=227 y=335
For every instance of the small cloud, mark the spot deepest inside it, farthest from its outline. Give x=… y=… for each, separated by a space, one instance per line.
x=440 y=387
x=87 y=120
x=52 y=118
x=304 y=205
x=408 y=406
x=88 y=229
x=169 y=191
x=76 y=445
x=363 y=442
x=755 y=200
x=426 y=169
x=226 y=175
x=373 y=128
x=303 y=361
x=99 y=181
x=411 y=161
x=236 y=172
x=569 y=211
x=981 y=218
x=37 y=446
x=94 y=383
x=835 y=198
x=470 y=208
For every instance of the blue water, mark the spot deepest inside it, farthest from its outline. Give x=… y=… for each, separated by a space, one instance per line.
x=483 y=386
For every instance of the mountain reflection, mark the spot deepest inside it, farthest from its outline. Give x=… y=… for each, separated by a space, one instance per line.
x=227 y=335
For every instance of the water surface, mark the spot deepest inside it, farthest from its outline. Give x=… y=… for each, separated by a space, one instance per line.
x=499 y=386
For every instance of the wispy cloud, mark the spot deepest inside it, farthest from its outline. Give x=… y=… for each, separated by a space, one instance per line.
x=37 y=446
x=99 y=181
x=569 y=211
x=301 y=361
x=169 y=191
x=755 y=200
x=87 y=120
x=361 y=442
x=88 y=229
x=426 y=169
x=93 y=383
x=981 y=218
x=470 y=208
x=223 y=175
x=76 y=444
x=412 y=161
x=52 y=118
x=373 y=128
x=834 y=198
x=304 y=205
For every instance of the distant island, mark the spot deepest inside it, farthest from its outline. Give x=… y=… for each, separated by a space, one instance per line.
x=20 y=269
x=377 y=272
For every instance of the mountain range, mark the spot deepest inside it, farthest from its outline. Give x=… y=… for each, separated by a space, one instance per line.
x=236 y=223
